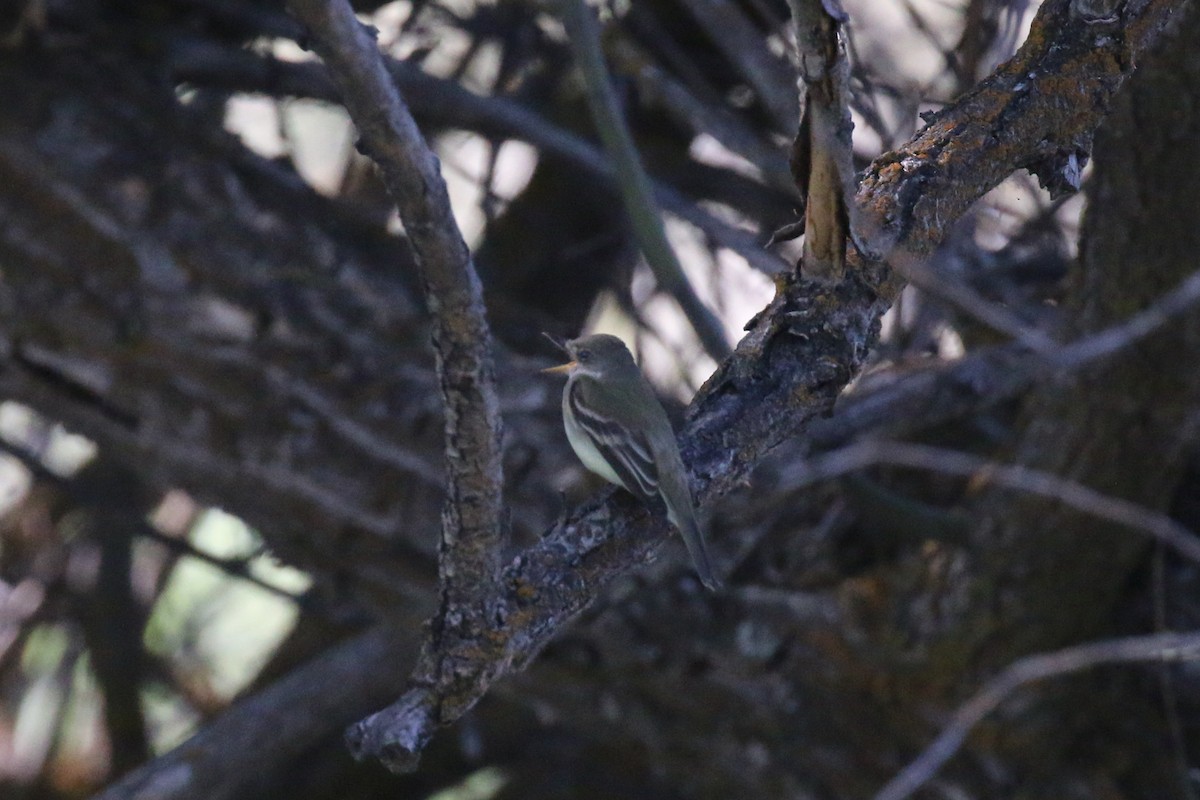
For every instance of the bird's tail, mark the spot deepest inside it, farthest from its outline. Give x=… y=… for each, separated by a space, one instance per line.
x=685 y=520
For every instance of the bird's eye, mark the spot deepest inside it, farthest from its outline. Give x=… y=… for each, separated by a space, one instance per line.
x=583 y=355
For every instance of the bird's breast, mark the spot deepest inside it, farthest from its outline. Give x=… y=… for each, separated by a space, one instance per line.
x=587 y=452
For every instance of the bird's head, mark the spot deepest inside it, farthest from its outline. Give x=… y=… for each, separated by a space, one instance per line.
x=598 y=356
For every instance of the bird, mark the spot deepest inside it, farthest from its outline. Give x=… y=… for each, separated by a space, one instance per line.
x=619 y=430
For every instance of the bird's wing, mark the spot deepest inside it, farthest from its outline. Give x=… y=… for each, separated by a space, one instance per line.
x=627 y=451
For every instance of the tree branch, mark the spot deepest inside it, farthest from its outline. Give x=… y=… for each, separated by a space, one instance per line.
x=239 y=753
x=741 y=43
x=472 y=516
x=1071 y=493
x=1017 y=118
x=822 y=154
x=799 y=354
x=471 y=526
x=658 y=86
x=929 y=397
x=1162 y=647
x=1167 y=307
x=632 y=180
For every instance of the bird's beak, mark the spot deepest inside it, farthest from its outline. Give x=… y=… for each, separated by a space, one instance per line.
x=561 y=344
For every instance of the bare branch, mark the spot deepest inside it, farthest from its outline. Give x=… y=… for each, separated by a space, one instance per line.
x=472 y=515
x=1179 y=300
x=471 y=529
x=955 y=291
x=925 y=398
x=1154 y=524
x=657 y=85
x=634 y=183
x=800 y=353
x=951 y=289
x=742 y=45
x=1161 y=647
x=236 y=567
x=1015 y=119
x=261 y=734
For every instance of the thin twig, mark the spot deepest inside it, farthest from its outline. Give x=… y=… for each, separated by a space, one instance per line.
x=1179 y=300
x=681 y=103
x=955 y=291
x=925 y=398
x=32 y=462
x=1166 y=683
x=636 y=188
x=1161 y=647
x=234 y=567
x=1154 y=524
x=1092 y=347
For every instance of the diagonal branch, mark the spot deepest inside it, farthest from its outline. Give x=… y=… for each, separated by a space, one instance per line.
x=801 y=351
x=952 y=289
x=634 y=183
x=240 y=752
x=1180 y=300
x=658 y=86
x=1018 y=477
x=1037 y=111
x=926 y=398
x=731 y=32
x=1160 y=648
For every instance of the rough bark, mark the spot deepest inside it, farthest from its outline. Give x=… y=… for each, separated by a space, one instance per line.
x=1037 y=575
x=800 y=353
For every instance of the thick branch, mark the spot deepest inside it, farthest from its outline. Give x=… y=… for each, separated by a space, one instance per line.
x=803 y=349
x=471 y=529
x=240 y=753
x=1038 y=111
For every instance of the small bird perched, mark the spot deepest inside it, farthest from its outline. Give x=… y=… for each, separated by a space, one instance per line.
x=620 y=432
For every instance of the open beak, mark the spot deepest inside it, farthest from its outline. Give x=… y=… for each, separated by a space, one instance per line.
x=561 y=344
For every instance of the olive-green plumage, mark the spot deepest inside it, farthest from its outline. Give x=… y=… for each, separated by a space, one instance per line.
x=619 y=431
